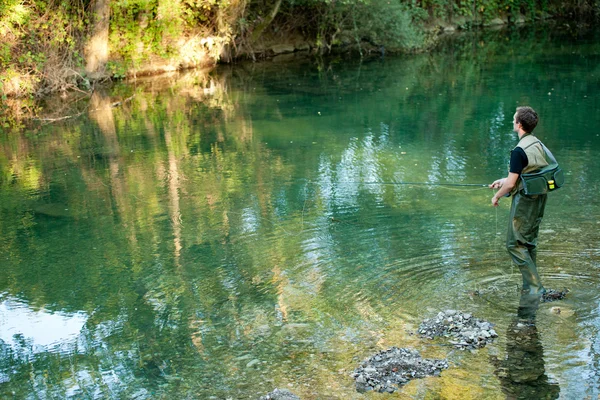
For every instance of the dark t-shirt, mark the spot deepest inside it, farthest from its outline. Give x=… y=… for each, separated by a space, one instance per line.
x=518 y=160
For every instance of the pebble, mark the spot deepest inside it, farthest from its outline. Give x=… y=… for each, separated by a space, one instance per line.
x=280 y=394
x=469 y=333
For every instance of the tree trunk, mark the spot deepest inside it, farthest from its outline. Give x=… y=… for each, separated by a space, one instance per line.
x=96 y=51
x=262 y=26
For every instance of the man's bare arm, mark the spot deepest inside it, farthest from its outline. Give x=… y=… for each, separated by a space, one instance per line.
x=505 y=185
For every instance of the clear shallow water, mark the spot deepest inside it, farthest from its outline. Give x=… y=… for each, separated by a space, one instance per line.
x=222 y=236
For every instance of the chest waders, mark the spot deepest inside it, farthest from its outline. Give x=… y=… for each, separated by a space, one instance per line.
x=526 y=213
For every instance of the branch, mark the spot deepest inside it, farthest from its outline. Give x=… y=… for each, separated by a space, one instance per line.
x=51 y=120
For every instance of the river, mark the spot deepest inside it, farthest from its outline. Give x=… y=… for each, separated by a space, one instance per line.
x=266 y=225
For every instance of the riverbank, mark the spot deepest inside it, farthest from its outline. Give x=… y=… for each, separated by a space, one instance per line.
x=197 y=50
x=49 y=48
x=74 y=99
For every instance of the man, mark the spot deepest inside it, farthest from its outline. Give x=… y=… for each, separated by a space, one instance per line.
x=526 y=212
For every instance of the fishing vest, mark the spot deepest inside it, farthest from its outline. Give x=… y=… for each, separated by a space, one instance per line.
x=536 y=157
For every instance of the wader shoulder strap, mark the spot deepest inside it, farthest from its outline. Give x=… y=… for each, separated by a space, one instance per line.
x=531 y=144
x=549 y=154
x=546 y=150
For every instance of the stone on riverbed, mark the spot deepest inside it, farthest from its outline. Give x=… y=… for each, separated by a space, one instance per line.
x=390 y=369
x=280 y=394
x=553 y=295
x=467 y=331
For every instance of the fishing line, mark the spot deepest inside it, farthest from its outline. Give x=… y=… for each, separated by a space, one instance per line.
x=496 y=246
x=496 y=241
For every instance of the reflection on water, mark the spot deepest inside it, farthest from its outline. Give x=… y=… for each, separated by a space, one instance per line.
x=522 y=373
x=222 y=235
x=41 y=329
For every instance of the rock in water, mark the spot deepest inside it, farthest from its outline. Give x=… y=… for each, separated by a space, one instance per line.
x=468 y=332
x=280 y=394
x=390 y=369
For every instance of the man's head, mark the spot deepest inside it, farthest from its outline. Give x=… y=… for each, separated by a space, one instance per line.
x=527 y=118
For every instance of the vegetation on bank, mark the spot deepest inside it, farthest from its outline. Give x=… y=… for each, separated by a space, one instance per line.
x=61 y=45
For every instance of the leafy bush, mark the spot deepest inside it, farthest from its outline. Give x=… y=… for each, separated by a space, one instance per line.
x=41 y=42
x=390 y=24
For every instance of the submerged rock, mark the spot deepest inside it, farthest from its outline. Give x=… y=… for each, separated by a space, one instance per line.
x=467 y=331
x=280 y=394
x=390 y=369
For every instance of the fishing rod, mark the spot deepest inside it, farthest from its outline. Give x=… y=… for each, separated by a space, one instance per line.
x=405 y=183
x=420 y=183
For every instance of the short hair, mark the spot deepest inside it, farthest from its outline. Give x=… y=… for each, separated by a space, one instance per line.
x=527 y=117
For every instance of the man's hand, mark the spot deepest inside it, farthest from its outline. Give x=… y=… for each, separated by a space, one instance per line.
x=495 y=201
x=504 y=186
x=497 y=184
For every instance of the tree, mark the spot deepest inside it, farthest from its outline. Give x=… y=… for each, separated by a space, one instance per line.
x=96 y=50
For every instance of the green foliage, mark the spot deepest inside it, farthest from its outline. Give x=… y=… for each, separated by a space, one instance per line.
x=134 y=30
x=485 y=10
x=201 y=11
x=143 y=29
x=40 y=45
x=390 y=23
x=437 y=8
x=12 y=16
x=117 y=69
x=42 y=41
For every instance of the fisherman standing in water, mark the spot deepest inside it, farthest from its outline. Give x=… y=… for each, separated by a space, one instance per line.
x=526 y=211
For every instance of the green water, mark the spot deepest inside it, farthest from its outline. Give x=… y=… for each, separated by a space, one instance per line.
x=221 y=236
